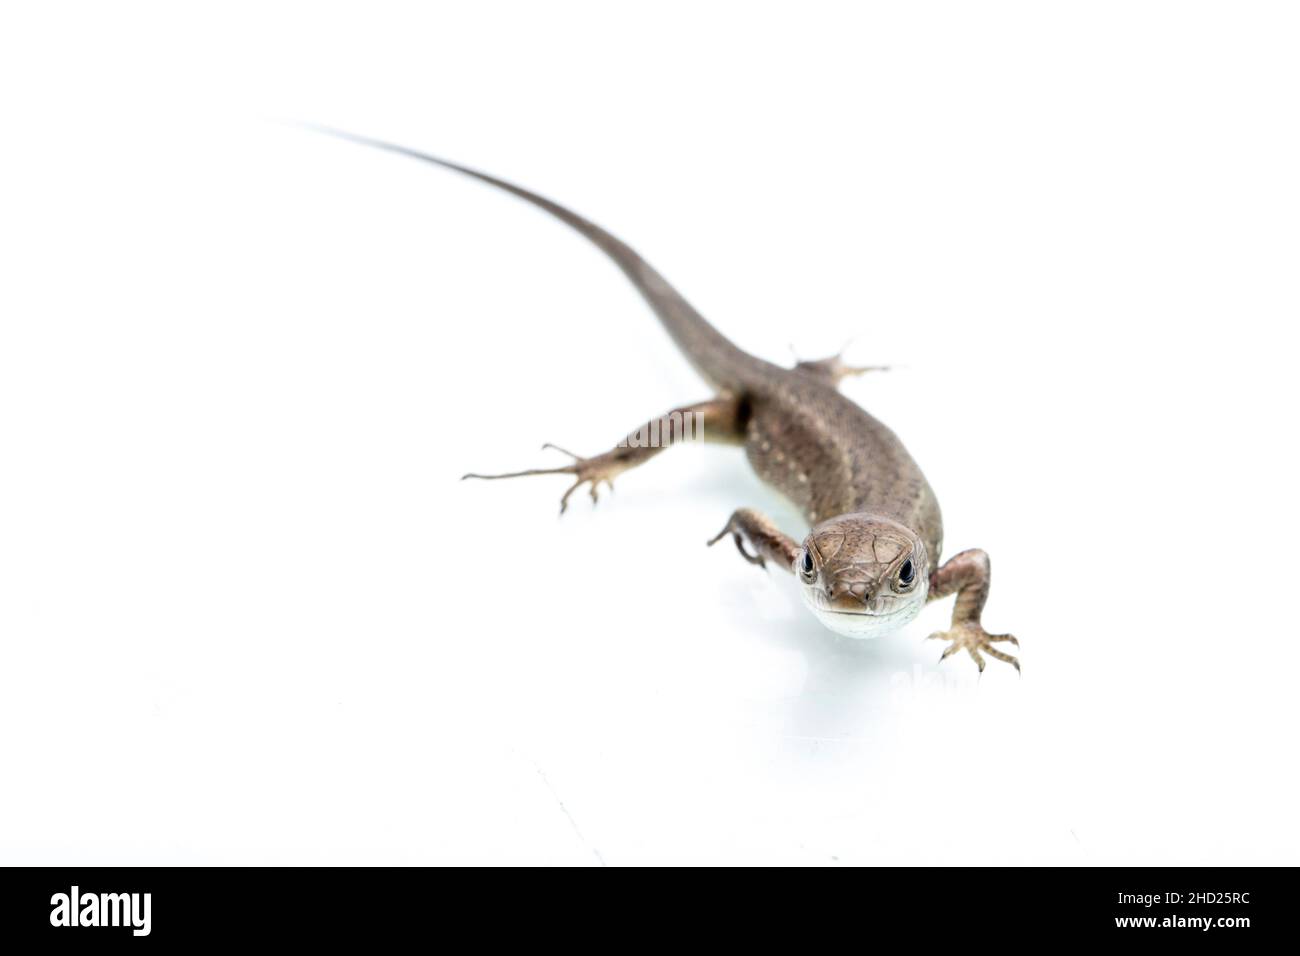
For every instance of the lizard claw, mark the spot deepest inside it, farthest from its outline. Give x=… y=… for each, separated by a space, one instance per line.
x=971 y=636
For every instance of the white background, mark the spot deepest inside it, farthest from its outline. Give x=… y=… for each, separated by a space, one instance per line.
x=248 y=614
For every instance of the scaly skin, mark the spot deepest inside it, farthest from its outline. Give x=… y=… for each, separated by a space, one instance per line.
x=871 y=558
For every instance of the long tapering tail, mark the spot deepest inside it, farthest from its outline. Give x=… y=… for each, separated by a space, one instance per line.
x=714 y=356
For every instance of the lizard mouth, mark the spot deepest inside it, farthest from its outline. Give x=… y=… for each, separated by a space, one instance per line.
x=886 y=607
x=863 y=612
x=863 y=622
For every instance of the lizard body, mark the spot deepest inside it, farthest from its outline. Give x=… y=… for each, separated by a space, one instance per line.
x=870 y=561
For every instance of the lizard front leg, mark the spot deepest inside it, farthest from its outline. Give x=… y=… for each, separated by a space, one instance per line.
x=717 y=420
x=765 y=539
x=968 y=575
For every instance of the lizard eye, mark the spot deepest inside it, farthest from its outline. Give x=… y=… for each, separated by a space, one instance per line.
x=806 y=563
x=907 y=573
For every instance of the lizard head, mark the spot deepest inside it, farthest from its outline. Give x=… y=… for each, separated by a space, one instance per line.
x=863 y=575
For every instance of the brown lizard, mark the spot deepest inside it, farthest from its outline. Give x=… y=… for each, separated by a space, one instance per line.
x=871 y=560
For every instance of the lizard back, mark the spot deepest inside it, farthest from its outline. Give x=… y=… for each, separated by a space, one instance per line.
x=818 y=448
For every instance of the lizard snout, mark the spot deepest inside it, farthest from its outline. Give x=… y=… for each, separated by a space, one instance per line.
x=848 y=595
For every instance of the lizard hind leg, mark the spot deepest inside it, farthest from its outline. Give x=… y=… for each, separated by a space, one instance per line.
x=835 y=369
x=718 y=420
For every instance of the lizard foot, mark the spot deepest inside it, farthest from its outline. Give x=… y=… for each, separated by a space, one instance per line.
x=972 y=636
x=734 y=529
x=835 y=368
x=589 y=471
